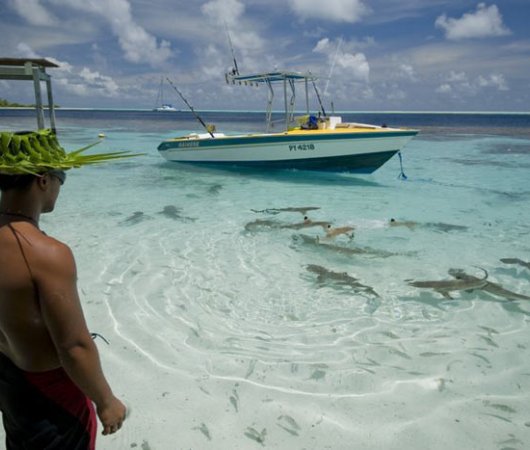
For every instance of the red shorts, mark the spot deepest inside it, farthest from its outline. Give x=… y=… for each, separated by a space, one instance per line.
x=44 y=410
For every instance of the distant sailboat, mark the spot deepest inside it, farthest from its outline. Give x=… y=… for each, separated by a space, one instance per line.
x=160 y=105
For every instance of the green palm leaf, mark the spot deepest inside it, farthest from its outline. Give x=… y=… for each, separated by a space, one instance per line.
x=34 y=152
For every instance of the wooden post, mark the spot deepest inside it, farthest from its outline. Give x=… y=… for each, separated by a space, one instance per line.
x=38 y=98
x=51 y=106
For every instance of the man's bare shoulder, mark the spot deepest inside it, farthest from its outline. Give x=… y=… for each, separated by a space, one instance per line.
x=30 y=238
x=41 y=242
x=49 y=253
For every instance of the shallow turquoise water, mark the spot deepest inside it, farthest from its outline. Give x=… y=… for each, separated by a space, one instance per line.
x=222 y=338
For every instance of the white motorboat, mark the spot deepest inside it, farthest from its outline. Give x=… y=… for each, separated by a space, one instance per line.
x=313 y=143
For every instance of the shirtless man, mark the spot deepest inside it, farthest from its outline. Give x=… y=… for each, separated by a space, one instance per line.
x=50 y=372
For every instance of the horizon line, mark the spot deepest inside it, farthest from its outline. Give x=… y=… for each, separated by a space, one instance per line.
x=276 y=111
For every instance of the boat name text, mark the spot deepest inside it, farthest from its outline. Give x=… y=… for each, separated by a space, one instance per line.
x=188 y=144
x=302 y=147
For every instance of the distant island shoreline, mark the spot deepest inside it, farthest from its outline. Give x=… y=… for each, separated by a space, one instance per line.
x=7 y=104
x=4 y=105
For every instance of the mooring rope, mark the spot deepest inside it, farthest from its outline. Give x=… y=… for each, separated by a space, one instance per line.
x=402 y=175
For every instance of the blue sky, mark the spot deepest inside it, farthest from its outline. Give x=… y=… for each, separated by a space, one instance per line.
x=441 y=55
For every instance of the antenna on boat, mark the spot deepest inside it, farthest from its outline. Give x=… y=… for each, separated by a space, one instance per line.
x=332 y=66
x=318 y=97
x=206 y=127
x=235 y=70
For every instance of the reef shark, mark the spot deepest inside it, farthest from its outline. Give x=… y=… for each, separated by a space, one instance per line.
x=341 y=278
x=444 y=287
x=316 y=242
x=492 y=288
x=517 y=261
x=307 y=224
x=260 y=224
x=134 y=218
x=173 y=212
x=266 y=223
x=303 y=210
x=445 y=227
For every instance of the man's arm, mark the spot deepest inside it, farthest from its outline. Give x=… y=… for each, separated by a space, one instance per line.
x=56 y=279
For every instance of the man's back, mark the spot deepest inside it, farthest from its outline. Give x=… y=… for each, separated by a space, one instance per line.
x=23 y=334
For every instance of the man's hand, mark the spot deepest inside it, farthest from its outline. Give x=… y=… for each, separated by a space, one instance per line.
x=111 y=415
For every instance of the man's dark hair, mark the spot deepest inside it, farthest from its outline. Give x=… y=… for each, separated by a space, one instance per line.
x=20 y=182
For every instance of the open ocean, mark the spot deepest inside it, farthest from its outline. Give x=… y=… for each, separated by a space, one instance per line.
x=225 y=334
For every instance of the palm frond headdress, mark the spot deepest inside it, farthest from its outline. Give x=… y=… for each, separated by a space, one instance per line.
x=36 y=152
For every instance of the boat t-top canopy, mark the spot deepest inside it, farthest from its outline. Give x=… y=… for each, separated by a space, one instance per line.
x=32 y=69
x=270 y=78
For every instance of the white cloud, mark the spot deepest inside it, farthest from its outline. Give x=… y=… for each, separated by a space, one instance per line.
x=25 y=51
x=215 y=63
x=350 y=11
x=138 y=45
x=457 y=77
x=486 y=21
x=33 y=12
x=323 y=46
x=84 y=82
x=347 y=65
x=356 y=65
x=459 y=83
x=444 y=89
x=396 y=94
x=228 y=16
x=224 y=11
x=496 y=81
x=407 y=72
x=434 y=57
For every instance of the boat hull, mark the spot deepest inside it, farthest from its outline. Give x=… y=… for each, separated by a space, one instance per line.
x=359 y=152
